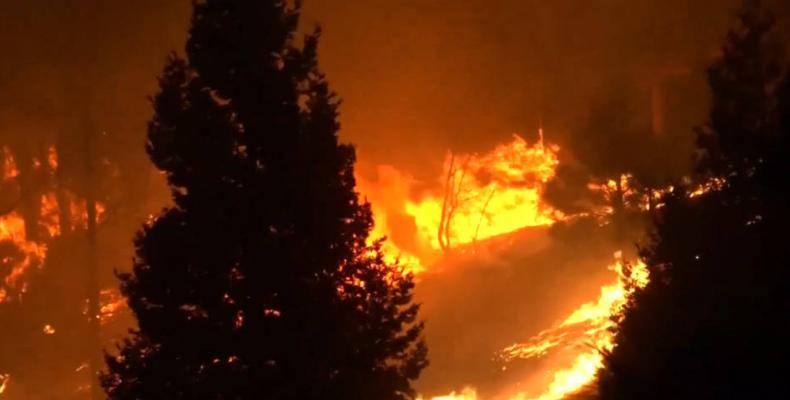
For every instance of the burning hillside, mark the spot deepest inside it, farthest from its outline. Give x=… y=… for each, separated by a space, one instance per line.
x=480 y=207
x=477 y=197
x=27 y=236
x=509 y=238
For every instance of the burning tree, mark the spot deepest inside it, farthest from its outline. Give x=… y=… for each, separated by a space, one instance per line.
x=71 y=191
x=485 y=195
x=47 y=246
x=712 y=322
x=258 y=283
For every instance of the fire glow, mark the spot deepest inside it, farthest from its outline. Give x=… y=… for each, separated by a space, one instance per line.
x=476 y=197
x=481 y=196
x=30 y=255
x=587 y=331
x=14 y=230
x=487 y=195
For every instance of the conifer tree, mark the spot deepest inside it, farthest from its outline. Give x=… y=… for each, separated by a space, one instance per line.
x=743 y=83
x=258 y=283
x=712 y=322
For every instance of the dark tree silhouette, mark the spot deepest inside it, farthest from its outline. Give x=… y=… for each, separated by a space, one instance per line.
x=743 y=82
x=616 y=141
x=74 y=92
x=258 y=283
x=712 y=322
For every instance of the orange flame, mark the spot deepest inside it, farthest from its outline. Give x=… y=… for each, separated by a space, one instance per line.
x=13 y=227
x=488 y=195
x=479 y=196
x=485 y=195
x=4 y=380
x=466 y=394
x=589 y=328
x=10 y=169
x=111 y=303
x=585 y=333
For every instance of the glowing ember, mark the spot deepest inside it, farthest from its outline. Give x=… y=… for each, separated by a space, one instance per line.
x=112 y=302
x=50 y=218
x=10 y=169
x=52 y=158
x=48 y=329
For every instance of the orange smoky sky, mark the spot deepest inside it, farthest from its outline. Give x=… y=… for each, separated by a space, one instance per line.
x=417 y=78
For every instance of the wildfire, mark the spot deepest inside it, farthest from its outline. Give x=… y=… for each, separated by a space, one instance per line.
x=476 y=197
x=21 y=253
x=10 y=169
x=480 y=196
x=488 y=195
x=588 y=328
x=112 y=302
x=583 y=334
x=13 y=227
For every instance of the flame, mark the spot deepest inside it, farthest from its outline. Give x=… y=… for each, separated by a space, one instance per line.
x=79 y=212
x=29 y=253
x=52 y=158
x=50 y=218
x=480 y=196
x=476 y=197
x=13 y=227
x=111 y=303
x=10 y=169
x=588 y=327
x=466 y=394
x=584 y=334
x=48 y=329
x=488 y=195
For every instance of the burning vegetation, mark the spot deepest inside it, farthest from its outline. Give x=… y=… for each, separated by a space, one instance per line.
x=493 y=195
x=476 y=198
x=276 y=260
x=26 y=235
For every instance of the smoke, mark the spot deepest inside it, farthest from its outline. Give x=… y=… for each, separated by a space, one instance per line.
x=418 y=77
x=75 y=75
x=606 y=79
x=619 y=85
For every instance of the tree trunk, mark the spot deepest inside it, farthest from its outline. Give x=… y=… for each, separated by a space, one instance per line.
x=30 y=190
x=444 y=221
x=92 y=284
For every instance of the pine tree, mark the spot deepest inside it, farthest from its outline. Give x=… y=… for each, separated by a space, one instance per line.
x=258 y=283
x=713 y=321
x=743 y=81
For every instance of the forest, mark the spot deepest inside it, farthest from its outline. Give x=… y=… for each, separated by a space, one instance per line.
x=386 y=200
